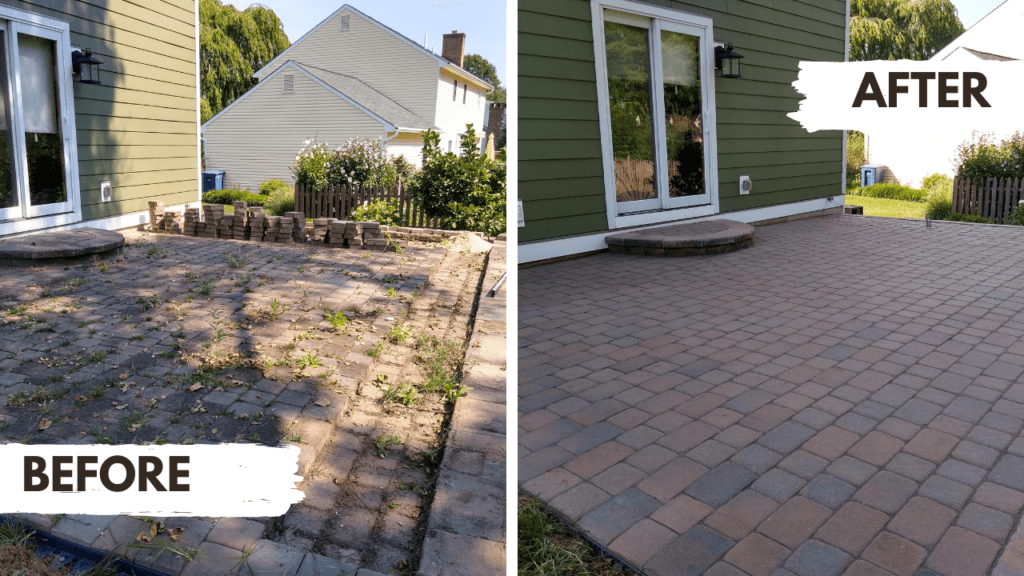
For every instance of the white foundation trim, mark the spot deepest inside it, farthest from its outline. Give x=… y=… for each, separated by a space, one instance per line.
x=118 y=222
x=547 y=249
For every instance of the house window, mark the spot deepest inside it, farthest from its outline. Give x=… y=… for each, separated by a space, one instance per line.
x=289 y=82
x=465 y=87
x=656 y=96
x=38 y=176
x=455 y=93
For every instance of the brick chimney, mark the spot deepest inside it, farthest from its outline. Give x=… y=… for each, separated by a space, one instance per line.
x=453 y=49
x=495 y=116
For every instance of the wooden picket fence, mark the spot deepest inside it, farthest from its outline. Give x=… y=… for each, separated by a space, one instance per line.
x=339 y=202
x=994 y=199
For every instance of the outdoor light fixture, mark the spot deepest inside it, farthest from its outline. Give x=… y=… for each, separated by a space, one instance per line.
x=85 y=67
x=727 y=61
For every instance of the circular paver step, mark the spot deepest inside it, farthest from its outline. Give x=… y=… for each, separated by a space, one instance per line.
x=694 y=239
x=60 y=248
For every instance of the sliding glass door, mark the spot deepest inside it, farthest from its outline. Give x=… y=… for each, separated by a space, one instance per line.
x=657 y=106
x=35 y=140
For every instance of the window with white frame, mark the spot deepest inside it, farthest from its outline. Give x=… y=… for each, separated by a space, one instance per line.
x=37 y=140
x=656 y=95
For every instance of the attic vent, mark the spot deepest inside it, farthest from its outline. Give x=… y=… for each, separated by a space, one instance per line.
x=344 y=22
x=289 y=83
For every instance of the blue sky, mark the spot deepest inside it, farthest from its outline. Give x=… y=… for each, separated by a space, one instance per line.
x=973 y=10
x=483 y=21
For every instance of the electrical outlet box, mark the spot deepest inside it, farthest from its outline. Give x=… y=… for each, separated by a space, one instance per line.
x=106 y=195
x=745 y=184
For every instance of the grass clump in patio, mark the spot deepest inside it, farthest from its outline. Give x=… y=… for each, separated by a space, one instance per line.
x=549 y=548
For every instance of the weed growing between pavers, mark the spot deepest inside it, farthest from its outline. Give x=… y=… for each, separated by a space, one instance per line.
x=18 y=556
x=547 y=547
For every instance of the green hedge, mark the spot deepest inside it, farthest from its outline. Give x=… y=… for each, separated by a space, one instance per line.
x=954 y=217
x=229 y=196
x=890 y=191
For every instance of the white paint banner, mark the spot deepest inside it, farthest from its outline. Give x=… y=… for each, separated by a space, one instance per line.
x=910 y=97
x=219 y=480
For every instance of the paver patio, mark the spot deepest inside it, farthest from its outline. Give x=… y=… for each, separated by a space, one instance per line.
x=841 y=398
x=191 y=340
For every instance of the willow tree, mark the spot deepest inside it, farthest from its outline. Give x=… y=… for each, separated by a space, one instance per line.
x=901 y=29
x=233 y=44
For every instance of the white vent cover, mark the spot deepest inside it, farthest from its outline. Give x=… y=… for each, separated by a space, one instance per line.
x=289 y=83
x=105 y=192
x=344 y=22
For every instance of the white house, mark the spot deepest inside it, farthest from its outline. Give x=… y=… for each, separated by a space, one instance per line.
x=348 y=77
x=994 y=37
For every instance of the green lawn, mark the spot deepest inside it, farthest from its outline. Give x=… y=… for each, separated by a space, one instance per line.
x=888 y=208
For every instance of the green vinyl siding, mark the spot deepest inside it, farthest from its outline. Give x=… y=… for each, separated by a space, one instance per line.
x=561 y=178
x=138 y=129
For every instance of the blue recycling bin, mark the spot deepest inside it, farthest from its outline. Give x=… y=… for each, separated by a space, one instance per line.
x=213 y=180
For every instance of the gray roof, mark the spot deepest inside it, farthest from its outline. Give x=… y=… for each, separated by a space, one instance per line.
x=988 y=55
x=368 y=98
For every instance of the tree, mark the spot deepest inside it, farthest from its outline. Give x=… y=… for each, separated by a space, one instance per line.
x=478 y=66
x=233 y=45
x=901 y=29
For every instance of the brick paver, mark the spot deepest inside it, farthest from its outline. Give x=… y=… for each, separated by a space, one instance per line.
x=842 y=398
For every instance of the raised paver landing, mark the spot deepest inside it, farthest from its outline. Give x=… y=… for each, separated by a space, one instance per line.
x=77 y=246
x=842 y=398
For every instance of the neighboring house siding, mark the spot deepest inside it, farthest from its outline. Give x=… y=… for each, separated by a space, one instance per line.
x=373 y=55
x=259 y=137
x=560 y=172
x=453 y=115
x=137 y=129
x=408 y=145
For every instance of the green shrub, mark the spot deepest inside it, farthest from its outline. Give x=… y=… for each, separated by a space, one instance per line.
x=270 y=187
x=280 y=202
x=464 y=191
x=890 y=191
x=939 y=206
x=954 y=217
x=1016 y=216
x=310 y=168
x=855 y=157
x=386 y=212
x=983 y=157
x=937 y=183
x=233 y=195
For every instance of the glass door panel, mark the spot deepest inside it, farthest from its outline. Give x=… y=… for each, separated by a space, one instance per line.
x=10 y=202
x=628 y=60
x=45 y=154
x=683 y=127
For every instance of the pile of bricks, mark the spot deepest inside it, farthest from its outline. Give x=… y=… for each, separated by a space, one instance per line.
x=191 y=221
x=212 y=215
x=156 y=214
x=354 y=235
x=298 y=220
x=321 y=227
x=171 y=222
x=257 y=223
x=336 y=232
x=240 y=222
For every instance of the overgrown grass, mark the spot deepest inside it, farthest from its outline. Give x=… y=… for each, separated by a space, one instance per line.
x=890 y=191
x=548 y=548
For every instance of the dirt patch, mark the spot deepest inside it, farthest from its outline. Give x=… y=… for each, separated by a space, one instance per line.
x=19 y=560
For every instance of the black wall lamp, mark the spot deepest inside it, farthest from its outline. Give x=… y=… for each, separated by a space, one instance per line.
x=85 y=67
x=728 y=61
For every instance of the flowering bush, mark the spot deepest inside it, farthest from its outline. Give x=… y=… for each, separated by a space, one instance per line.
x=311 y=164
x=362 y=161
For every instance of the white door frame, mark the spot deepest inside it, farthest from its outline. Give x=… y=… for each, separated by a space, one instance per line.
x=664 y=208
x=26 y=217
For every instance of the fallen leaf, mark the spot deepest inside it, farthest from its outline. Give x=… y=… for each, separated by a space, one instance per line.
x=323 y=402
x=45 y=423
x=142 y=537
x=195 y=387
x=125 y=375
x=153 y=529
x=121 y=407
x=174 y=532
